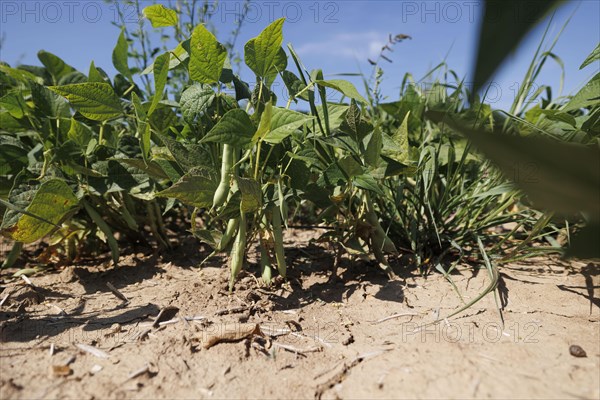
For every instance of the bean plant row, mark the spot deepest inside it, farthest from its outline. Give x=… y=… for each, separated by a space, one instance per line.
x=87 y=160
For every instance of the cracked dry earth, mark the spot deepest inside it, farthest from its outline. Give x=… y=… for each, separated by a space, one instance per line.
x=68 y=336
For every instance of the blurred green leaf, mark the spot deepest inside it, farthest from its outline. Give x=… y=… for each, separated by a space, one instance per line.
x=505 y=23
x=558 y=176
x=589 y=95
x=594 y=56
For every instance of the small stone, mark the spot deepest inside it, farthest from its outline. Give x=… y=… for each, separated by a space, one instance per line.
x=95 y=369
x=577 y=351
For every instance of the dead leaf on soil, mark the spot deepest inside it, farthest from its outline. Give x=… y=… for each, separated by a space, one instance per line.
x=232 y=333
x=61 y=370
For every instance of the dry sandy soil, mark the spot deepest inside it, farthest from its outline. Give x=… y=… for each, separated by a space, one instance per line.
x=316 y=338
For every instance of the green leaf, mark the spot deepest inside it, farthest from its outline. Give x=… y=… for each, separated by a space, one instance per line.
x=12 y=159
x=195 y=100
x=556 y=115
x=373 y=151
x=235 y=128
x=94 y=74
x=80 y=133
x=161 y=72
x=558 y=176
x=505 y=23
x=367 y=182
x=350 y=166
x=261 y=52
x=50 y=104
x=20 y=75
x=187 y=156
x=587 y=96
x=143 y=128
x=15 y=104
x=52 y=202
x=119 y=56
x=584 y=244
x=242 y=90
x=594 y=56
x=160 y=16
x=264 y=124
x=110 y=238
x=293 y=84
x=251 y=194
x=279 y=66
x=55 y=65
x=151 y=168
x=396 y=147
x=196 y=188
x=177 y=56
x=207 y=56
x=344 y=87
x=96 y=101
x=354 y=124
x=284 y=123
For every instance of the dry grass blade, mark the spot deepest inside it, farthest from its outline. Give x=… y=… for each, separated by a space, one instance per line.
x=346 y=367
x=27 y=280
x=195 y=318
x=169 y=322
x=314 y=337
x=232 y=310
x=92 y=350
x=272 y=332
x=116 y=292
x=297 y=350
x=394 y=316
x=4 y=299
x=139 y=372
x=165 y=314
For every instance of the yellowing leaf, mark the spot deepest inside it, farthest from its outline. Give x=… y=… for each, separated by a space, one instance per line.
x=51 y=203
x=207 y=56
x=160 y=16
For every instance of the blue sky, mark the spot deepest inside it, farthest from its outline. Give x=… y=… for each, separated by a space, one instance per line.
x=336 y=36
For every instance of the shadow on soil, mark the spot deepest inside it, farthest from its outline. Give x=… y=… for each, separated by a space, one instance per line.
x=312 y=279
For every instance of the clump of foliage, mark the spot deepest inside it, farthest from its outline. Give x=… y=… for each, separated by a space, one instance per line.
x=84 y=156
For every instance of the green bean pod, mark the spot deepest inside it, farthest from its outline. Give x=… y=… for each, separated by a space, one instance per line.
x=238 y=251
x=379 y=238
x=232 y=226
x=265 y=265
x=278 y=241
x=223 y=189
